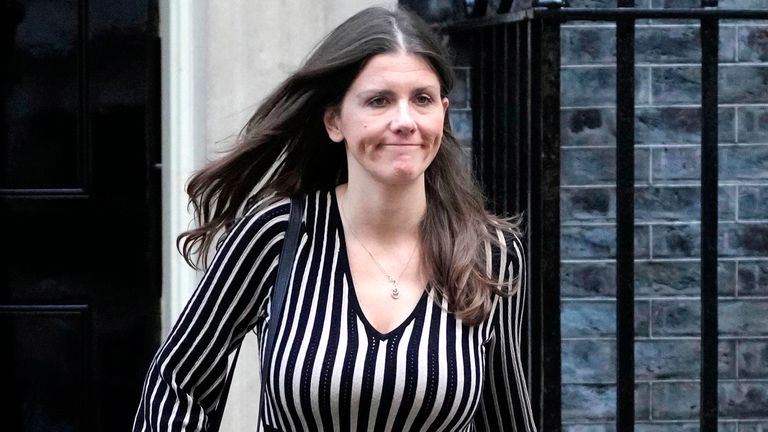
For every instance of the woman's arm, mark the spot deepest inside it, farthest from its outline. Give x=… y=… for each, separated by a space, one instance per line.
x=506 y=404
x=186 y=376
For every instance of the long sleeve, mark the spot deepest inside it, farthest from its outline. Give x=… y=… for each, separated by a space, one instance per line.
x=505 y=404
x=186 y=376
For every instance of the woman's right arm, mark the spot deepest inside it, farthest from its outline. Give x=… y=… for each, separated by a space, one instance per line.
x=186 y=376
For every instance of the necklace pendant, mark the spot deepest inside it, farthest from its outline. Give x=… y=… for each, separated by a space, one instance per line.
x=395 y=291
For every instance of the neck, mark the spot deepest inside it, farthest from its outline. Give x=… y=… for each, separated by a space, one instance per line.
x=387 y=214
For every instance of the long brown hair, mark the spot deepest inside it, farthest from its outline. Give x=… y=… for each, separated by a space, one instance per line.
x=284 y=149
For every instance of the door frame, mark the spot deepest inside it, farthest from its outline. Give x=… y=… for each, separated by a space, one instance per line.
x=183 y=68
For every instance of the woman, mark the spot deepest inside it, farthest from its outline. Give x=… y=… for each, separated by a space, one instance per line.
x=405 y=304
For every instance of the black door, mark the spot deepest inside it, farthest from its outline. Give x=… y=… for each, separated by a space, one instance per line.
x=79 y=199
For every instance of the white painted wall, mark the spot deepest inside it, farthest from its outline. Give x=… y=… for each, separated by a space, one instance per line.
x=253 y=45
x=220 y=59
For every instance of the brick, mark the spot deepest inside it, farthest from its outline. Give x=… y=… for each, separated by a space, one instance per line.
x=606 y=427
x=743 y=84
x=753 y=124
x=676 y=164
x=743 y=317
x=666 y=203
x=743 y=239
x=676 y=85
x=744 y=162
x=578 y=242
x=588 y=318
x=675 y=401
x=679 y=278
x=743 y=399
x=433 y=11
x=676 y=317
x=678 y=203
x=666 y=4
x=587 y=45
x=742 y=4
x=676 y=241
x=587 y=204
x=584 y=402
x=597 y=166
x=679 y=427
x=588 y=402
x=753 y=359
x=679 y=44
x=584 y=361
x=588 y=280
x=588 y=127
x=753 y=426
x=736 y=317
x=679 y=359
x=642 y=401
x=595 y=86
x=461 y=125
x=592 y=3
x=728 y=47
x=588 y=86
x=726 y=203
x=460 y=94
x=642 y=319
x=684 y=164
x=753 y=202
x=752 y=278
x=597 y=318
x=726 y=278
x=753 y=44
x=678 y=125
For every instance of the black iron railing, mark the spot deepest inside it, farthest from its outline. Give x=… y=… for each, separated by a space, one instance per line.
x=516 y=146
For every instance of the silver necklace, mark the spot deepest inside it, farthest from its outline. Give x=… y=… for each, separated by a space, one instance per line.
x=395 y=294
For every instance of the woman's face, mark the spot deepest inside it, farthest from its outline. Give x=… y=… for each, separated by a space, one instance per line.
x=391 y=119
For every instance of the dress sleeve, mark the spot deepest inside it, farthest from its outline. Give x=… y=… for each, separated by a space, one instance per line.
x=505 y=404
x=186 y=376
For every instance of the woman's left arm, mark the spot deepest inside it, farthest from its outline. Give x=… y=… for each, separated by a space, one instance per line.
x=506 y=404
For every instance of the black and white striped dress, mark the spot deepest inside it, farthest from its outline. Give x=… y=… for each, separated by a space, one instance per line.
x=331 y=370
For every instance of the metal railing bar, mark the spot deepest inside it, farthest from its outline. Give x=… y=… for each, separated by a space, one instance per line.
x=521 y=125
x=507 y=159
x=610 y=14
x=602 y=14
x=490 y=108
x=625 y=222
x=548 y=133
x=534 y=223
x=477 y=100
x=709 y=34
x=498 y=144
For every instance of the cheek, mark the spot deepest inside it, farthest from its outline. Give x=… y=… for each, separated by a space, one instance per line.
x=435 y=128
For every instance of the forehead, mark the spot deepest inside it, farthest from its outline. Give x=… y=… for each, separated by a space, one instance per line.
x=392 y=69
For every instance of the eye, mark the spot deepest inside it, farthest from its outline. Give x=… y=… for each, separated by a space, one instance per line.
x=377 y=102
x=423 y=99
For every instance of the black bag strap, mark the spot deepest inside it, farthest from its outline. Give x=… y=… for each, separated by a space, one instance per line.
x=284 y=268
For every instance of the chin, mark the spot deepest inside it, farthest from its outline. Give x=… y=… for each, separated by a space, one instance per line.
x=402 y=177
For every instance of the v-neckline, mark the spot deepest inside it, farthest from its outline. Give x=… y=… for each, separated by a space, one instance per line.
x=354 y=302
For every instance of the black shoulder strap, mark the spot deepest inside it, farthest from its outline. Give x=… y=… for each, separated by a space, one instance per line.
x=284 y=268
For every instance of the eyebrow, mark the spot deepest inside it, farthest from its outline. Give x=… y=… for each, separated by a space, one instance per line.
x=385 y=92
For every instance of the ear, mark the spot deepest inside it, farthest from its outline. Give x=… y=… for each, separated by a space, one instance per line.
x=445 y=105
x=331 y=121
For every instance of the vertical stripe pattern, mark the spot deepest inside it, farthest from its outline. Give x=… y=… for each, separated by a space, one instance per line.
x=331 y=370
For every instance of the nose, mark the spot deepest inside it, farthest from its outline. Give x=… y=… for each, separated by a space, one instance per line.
x=403 y=122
